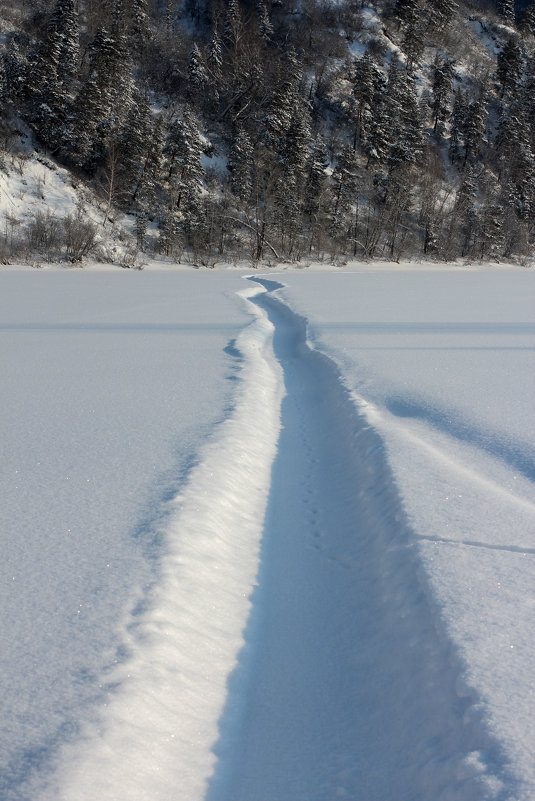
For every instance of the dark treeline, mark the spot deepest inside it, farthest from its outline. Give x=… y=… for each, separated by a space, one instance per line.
x=287 y=130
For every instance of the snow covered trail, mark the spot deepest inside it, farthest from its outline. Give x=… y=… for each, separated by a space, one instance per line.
x=335 y=677
x=153 y=740
x=347 y=687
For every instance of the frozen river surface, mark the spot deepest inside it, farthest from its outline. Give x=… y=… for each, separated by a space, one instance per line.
x=267 y=539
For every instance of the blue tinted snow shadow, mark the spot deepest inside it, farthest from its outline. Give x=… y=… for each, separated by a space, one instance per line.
x=517 y=455
x=232 y=350
x=269 y=285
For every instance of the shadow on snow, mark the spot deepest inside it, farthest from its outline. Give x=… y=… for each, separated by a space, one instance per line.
x=346 y=685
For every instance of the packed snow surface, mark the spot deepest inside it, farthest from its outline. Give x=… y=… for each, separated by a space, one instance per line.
x=267 y=539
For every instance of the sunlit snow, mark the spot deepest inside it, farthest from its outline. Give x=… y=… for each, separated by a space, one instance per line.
x=237 y=565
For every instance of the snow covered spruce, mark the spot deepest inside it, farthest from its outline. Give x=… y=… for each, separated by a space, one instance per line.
x=303 y=129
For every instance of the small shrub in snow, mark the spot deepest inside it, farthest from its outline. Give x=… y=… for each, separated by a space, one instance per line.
x=80 y=236
x=43 y=233
x=132 y=259
x=140 y=228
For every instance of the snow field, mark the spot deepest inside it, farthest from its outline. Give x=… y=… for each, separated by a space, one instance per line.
x=315 y=583
x=160 y=722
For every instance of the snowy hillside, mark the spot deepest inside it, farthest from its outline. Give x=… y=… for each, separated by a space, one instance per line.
x=274 y=131
x=49 y=215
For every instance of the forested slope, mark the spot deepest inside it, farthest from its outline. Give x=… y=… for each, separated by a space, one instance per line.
x=297 y=130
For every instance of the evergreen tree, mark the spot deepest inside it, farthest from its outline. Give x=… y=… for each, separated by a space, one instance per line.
x=507 y=11
x=120 y=80
x=413 y=44
x=316 y=182
x=51 y=71
x=442 y=85
x=104 y=98
x=195 y=225
x=151 y=176
x=140 y=229
x=407 y=12
x=457 y=125
x=139 y=28
x=240 y=165
x=283 y=101
x=465 y=215
x=474 y=128
x=16 y=70
x=197 y=74
x=516 y=160
x=295 y=152
x=265 y=27
x=410 y=145
x=468 y=128
x=316 y=195
x=441 y=14
x=528 y=19
x=379 y=136
x=233 y=26
x=505 y=139
x=64 y=25
x=509 y=66
x=184 y=149
x=403 y=124
x=140 y=152
x=3 y=82
x=293 y=155
x=85 y=143
x=523 y=175
x=169 y=231
x=344 y=191
x=527 y=100
x=490 y=233
x=363 y=95
x=411 y=20
x=91 y=106
x=515 y=232
x=215 y=56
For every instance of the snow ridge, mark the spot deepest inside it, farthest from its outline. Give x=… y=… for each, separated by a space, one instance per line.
x=154 y=737
x=349 y=687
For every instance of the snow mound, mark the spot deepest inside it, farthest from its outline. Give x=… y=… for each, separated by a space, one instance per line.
x=165 y=700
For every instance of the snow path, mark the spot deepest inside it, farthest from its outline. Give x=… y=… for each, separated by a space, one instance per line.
x=335 y=677
x=348 y=686
x=154 y=737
